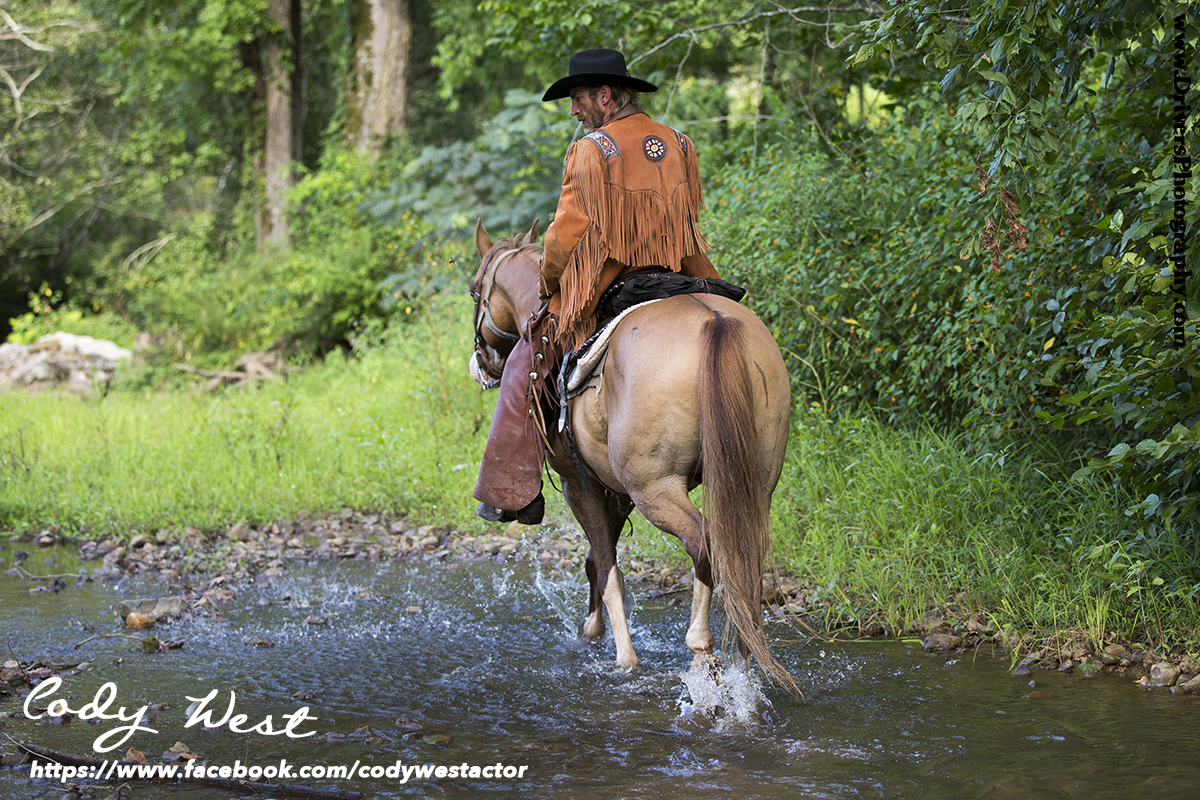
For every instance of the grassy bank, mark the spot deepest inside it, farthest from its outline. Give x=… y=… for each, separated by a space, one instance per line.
x=891 y=523
x=886 y=524
x=393 y=429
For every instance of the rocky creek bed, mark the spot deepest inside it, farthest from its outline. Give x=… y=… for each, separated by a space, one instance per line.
x=199 y=572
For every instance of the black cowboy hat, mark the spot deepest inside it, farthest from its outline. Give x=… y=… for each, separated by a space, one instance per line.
x=600 y=67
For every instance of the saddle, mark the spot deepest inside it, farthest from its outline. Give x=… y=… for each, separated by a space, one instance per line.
x=581 y=368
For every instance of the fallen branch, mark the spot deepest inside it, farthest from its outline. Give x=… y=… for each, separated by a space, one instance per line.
x=224 y=374
x=129 y=636
x=285 y=789
x=29 y=576
x=265 y=366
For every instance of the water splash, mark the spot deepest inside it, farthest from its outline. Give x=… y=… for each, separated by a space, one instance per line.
x=562 y=595
x=728 y=695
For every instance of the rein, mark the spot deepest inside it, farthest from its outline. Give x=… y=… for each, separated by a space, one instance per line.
x=483 y=319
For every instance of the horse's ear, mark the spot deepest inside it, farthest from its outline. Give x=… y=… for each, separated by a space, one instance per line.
x=531 y=237
x=483 y=242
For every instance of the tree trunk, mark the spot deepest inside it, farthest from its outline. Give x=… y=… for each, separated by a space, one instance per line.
x=299 y=101
x=282 y=134
x=377 y=95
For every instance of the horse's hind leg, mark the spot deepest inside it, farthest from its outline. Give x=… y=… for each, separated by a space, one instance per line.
x=666 y=505
x=602 y=516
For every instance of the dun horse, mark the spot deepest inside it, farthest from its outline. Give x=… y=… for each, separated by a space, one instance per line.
x=693 y=391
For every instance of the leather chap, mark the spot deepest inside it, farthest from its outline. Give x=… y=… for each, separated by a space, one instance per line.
x=510 y=475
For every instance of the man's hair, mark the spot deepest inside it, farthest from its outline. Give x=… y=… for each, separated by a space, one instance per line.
x=623 y=96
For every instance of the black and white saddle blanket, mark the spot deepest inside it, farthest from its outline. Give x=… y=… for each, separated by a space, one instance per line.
x=581 y=368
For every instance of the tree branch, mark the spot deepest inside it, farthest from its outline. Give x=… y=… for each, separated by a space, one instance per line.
x=18 y=32
x=691 y=32
x=50 y=212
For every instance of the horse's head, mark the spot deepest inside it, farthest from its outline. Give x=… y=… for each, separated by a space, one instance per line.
x=501 y=289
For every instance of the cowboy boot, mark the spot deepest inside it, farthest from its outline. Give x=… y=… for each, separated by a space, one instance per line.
x=531 y=514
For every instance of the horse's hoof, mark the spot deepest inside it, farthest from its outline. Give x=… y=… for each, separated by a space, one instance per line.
x=710 y=662
x=628 y=662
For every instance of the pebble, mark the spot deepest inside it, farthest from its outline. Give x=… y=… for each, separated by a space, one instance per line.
x=239 y=532
x=942 y=641
x=1190 y=687
x=1164 y=674
x=140 y=621
x=1024 y=669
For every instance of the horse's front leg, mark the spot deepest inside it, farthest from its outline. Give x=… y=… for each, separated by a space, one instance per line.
x=602 y=516
x=593 y=624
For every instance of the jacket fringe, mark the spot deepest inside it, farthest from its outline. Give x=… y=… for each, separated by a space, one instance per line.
x=645 y=231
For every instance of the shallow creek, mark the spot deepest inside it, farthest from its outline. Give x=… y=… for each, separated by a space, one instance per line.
x=453 y=663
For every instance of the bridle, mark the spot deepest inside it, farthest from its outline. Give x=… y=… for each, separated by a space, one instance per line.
x=486 y=356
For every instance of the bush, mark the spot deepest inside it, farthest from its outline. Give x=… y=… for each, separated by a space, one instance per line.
x=50 y=314
x=213 y=304
x=860 y=277
x=877 y=289
x=508 y=176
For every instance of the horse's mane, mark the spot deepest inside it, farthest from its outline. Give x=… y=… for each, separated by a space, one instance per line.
x=514 y=243
x=505 y=244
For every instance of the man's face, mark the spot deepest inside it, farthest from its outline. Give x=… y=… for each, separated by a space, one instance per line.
x=588 y=107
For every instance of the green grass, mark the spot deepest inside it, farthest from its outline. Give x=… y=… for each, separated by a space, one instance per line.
x=891 y=524
x=394 y=429
x=887 y=524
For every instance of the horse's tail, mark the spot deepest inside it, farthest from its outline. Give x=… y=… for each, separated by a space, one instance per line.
x=737 y=503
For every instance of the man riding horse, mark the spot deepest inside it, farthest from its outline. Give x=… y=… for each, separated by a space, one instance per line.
x=630 y=204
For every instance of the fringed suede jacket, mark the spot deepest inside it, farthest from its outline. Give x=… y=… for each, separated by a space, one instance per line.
x=630 y=201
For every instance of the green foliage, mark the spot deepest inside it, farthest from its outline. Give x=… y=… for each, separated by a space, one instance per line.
x=50 y=315
x=861 y=279
x=509 y=175
x=133 y=117
x=215 y=304
x=724 y=67
x=1017 y=74
x=1026 y=85
x=1136 y=352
